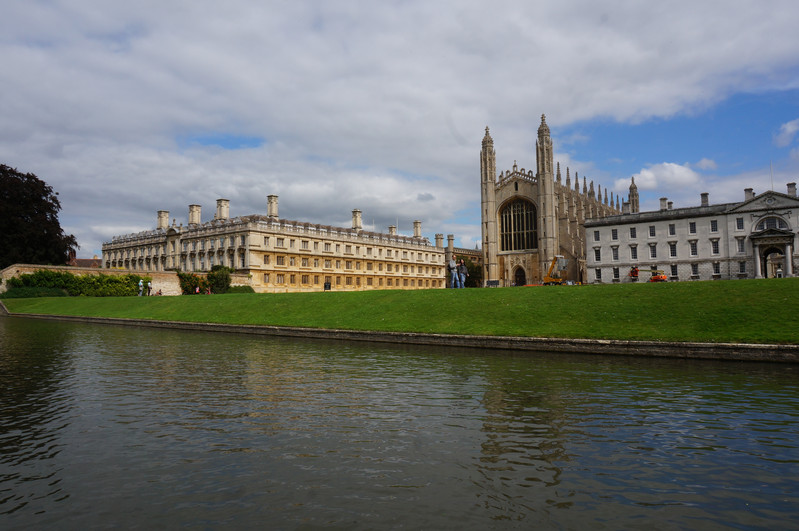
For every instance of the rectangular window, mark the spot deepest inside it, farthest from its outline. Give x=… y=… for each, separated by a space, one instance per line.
x=292 y=279
x=316 y=262
x=694 y=248
x=714 y=225
x=327 y=247
x=280 y=260
x=672 y=229
x=597 y=255
x=596 y=235
x=633 y=252
x=598 y=273
x=280 y=242
x=348 y=264
x=615 y=253
x=741 y=245
x=673 y=271
x=715 y=246
x=632 y=233
x=266 y=259
x=266 y=241
x=304 y=244
x=242 y=239
x=304 y=262
x=653 y=251
x=716 y=268
x=742 y=267
x=651 y=231
x=739 y=223
x=266 y=278
x=291 y=261
x=305 y=279
x=673 y=250
x=291 y=246
x=316 y=279
x=348 y=249
x=695 y=270
x=615 y=273
x=692 y=227
x=328 y=264
x=614 y=234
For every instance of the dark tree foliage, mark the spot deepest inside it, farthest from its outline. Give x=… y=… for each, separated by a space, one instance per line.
x=219 y=279
x=29 y=229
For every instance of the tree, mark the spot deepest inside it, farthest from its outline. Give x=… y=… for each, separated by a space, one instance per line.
x=29 y=229
x=475 y=278
x=219 y=279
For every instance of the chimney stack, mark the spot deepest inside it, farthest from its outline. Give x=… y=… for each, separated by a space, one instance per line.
x=194 y=214
x=222 y=209
x=417 y=229
x=705 y=198
x=450 y=245
x=392 y=230
x=163 y=219
x=664 y=203
x=792 y=189
x=271 y=207
x=356 y=220
x=748 y=194
x=439 y=240
x=671 y=205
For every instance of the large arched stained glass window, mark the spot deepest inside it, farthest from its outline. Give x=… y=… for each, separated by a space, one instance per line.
x=518 y=226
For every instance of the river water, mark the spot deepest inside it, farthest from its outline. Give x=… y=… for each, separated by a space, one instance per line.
x=121 y=427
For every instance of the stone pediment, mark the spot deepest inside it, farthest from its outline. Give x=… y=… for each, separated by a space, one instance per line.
x=767 y=201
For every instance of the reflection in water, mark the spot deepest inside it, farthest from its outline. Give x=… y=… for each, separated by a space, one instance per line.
x=105 y=426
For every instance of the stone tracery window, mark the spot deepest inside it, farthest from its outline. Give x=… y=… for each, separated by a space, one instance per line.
x=518 y=230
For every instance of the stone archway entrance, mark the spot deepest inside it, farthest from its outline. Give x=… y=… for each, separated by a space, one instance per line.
x=773 y=263
x=773 y=253
x=519 y=277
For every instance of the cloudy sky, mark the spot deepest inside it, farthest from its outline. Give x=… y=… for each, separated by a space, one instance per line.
x=126 y=108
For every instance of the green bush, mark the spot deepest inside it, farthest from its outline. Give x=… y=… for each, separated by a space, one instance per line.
x=30 y=292
x=189 y=282
x=87 y=285
x=219 y=279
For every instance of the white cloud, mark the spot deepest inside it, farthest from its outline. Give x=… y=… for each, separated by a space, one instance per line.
x=706 y=164
x=787 y=132
x=377 y=106
x=663 y=176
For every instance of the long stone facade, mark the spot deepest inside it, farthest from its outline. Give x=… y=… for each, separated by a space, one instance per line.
x=280 y=255
x=530 y=217
x=753 y=238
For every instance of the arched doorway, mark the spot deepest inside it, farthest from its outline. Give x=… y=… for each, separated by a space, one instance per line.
x=519 y=277
x=773 y=263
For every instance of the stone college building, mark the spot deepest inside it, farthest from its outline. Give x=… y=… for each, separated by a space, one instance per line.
x=753 y=238
x=279 y=255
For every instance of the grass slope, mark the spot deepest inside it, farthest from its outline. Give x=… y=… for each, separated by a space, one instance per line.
x=751 y=311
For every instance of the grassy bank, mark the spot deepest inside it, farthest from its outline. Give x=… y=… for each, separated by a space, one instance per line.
x=748 y=311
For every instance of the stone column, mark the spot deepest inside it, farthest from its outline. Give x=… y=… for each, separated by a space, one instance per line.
x=758 y=274
x=788 y=260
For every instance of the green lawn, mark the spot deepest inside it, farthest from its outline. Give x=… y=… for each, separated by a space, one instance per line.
x=749 y=311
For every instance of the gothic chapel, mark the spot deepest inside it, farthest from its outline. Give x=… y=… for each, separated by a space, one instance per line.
x=529 y=217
